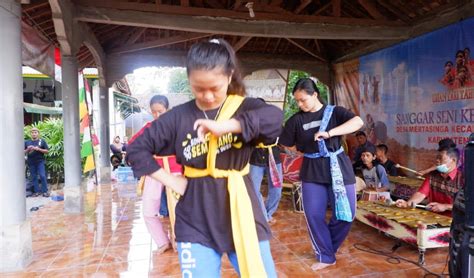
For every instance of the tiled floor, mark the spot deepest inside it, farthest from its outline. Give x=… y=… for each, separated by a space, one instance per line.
x=110 y=240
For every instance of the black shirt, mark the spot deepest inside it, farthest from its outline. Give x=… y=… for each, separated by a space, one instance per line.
x=36 y=156
x=260 y=156
x=389 y=167
x=203 y=212
x=300 y=129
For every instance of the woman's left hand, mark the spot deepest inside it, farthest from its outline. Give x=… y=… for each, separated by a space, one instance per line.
x=203 y=126
x=321 y=135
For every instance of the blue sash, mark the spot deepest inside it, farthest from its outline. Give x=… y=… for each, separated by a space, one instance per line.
x=343 y=209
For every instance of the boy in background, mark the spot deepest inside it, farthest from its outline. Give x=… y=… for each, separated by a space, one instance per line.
x=373 y=173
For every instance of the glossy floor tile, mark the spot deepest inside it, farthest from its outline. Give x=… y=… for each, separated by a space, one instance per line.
x=111 y=240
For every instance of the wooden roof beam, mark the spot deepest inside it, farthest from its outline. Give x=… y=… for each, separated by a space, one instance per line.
x=302 y=6
x=135 y=36
x=322 y=9
x=306 y=50
x=276 y=14
x=30 y=7
x=276 y=3
x=215 y=4
x=243 y=41
x=159 y=42
x=345 y=29
x=443 y=18
x=237 y=5
x=95 y=48
x=318 y=47
x=369 y=6
x=40 y=14
x=336 y=8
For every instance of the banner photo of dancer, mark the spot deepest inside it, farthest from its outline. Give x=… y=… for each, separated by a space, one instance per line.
x=415 y=93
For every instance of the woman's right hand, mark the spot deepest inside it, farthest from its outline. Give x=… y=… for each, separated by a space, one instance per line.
x=175 y=182
x=178 y=184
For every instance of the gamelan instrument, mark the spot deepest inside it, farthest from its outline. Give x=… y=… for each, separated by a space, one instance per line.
x=417 y=227
x=404 y=187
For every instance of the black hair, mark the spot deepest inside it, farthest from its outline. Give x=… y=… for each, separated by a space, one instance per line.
x=216 y=53
x=459 y=51
x=368 y=149
x=452 y=152
x=161 y=100
x=383 y=147
x=468 y=49
x=307 y=85
x=448 y=62
x=360 y=133
x=446 y=143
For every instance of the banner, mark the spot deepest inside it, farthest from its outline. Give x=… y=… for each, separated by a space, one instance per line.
x=414 y=94
x=36 y=51
x=87 y=150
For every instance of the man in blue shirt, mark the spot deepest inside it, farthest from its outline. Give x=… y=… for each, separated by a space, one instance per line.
x=363 y=143
x=35 y=149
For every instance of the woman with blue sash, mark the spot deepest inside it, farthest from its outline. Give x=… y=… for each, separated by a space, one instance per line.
x=326 y=173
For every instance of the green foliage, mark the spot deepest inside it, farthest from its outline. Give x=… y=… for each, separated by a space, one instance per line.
x=51 y=130
x=178 y=81
x=290 y=105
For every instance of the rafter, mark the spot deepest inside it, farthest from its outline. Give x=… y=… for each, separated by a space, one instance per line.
x=279 y=14
x=322 y=9
x=318 y=47
x=336 y=8
x=237 y=5
x=243 y=41
x=41 y=14
x=215 y=4
x=30 y=7
x=443 y=18
x=135 y=36
x=281 y=76
x=266 y=44
x=159 y=42
x=277 y=45
x=345 y=29
x=369 y=6
x=306 y=50
x=302 y=6
x=276 y=3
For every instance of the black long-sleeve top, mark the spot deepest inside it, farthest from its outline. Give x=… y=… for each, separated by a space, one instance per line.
x=203 y=212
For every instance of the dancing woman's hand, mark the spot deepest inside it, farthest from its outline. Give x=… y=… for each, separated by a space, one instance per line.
x=217 y=128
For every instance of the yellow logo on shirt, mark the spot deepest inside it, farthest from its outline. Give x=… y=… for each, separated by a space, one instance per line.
x=193 y=147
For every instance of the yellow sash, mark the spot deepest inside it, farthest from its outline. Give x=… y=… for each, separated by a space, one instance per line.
x=244 y=231
x=166 y=166
x=269 y=147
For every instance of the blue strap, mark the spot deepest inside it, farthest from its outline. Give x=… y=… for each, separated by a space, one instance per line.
x=343 y=209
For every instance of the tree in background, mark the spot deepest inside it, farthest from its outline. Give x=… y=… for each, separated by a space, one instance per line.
x=178 y=81
x=290 y=103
